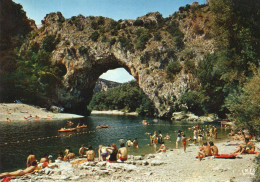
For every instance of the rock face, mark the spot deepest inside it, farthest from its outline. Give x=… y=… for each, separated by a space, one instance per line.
x=105 y=85
x=90 y=46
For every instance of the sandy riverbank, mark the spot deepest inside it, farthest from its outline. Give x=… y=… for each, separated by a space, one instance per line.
x=114 y=112
x=172 y=166
x=17 y=112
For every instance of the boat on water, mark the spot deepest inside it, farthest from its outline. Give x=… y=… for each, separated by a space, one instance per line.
x=66 y=130
x=104 y=126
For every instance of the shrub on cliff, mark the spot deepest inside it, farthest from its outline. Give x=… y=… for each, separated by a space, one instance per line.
x=172 y=69
x=49 y=43
x=94 y=36
x=142 y=38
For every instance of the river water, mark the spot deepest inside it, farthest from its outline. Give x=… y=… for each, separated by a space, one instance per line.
x=17 y=138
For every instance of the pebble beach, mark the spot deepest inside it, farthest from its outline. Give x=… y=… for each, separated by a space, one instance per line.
x=173 y=165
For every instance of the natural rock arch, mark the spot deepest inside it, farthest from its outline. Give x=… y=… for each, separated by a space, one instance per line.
x=85 y=60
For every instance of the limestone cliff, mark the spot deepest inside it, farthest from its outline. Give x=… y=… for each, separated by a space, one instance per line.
x=103 y=85
x=89 y=46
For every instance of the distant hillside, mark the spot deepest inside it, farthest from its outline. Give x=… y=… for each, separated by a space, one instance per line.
x=105 y=85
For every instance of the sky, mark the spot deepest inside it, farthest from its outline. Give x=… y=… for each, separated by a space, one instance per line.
x=115 y=9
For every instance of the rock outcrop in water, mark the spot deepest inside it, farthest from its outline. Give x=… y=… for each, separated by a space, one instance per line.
x=89 y=46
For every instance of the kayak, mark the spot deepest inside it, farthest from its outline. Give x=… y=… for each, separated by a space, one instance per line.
x=67 y=130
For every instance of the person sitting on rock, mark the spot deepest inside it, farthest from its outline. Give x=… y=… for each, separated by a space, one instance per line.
x=70 y=155
x=122 y=152
x=214 y=148
x=81 y=150
x=90 y=153
x=30 y=159
x=113 y=154
x=60 y=156
x=44 y=158
x=205 y=151
x=162 y=148
x=103 y=152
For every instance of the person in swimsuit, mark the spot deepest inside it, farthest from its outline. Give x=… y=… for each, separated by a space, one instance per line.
x=113 y=154
x=44 y=158
x=21 y=172
x=129 y=143
x=205 y=151
x=135 y=143
x=60 y=156
x=30 y=159
x=214 y=148
x=90 y=153
x=160 y=137
x=66 y=152
x=184 y=140
x=195 y=136
x=162 y=148
x=122 y=152
x=103 y=152
x=70 y=155
x=178 y=140
x=81 y=150
x=167 y=137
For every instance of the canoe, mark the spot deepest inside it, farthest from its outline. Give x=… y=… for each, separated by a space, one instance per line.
x=67 y=130
x=105 y=126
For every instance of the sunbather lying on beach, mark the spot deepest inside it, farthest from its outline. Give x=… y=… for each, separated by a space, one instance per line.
x=205 y=151
x=21 y=172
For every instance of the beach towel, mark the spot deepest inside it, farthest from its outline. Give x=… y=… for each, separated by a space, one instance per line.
x=226 y=156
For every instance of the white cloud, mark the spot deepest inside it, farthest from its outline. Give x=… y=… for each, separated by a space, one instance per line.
x=117 y=75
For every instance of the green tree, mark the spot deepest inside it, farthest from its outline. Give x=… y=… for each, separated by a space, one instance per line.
x=244 y=105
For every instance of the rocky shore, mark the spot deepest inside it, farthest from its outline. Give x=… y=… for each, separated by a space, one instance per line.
x=18 y=112
x=173 y=165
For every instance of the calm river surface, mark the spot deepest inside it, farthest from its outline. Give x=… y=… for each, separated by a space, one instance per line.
x=17 y=138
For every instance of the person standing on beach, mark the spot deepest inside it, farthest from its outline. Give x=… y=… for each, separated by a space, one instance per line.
x=215 y=132
x=184 y=140
x=160 y=137
x=195 y=136
x=178 y=140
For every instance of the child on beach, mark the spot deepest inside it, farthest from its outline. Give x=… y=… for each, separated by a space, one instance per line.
x=184 y=142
